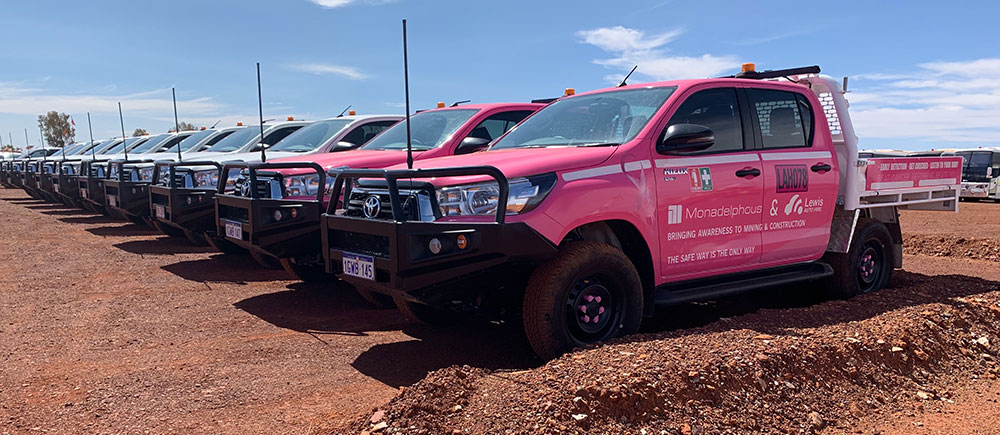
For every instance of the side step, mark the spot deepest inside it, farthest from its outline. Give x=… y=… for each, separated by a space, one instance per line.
x=715 y=287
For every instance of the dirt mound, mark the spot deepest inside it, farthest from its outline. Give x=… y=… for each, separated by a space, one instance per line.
x=776 y=370
x=952 y=246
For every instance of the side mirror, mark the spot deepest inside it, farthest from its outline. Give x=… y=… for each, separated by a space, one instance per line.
x=343 y=146
x=685 y=138
x=259 y=146
x=472 y=144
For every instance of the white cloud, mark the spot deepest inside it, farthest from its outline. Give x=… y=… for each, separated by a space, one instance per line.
x=632 y=47
x=330 y=4
x=31 y=101
x=939 y=103
x=323 y=69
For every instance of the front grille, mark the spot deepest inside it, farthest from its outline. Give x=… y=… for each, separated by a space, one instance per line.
x=236 y=214
x=356 y=205
x=359 y=243
x=263 y=187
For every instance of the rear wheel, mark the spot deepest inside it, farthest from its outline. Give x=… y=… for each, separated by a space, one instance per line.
x=590 y=292
x=867 y=265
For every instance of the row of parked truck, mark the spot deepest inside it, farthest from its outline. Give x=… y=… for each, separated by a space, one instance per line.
x=576 y=216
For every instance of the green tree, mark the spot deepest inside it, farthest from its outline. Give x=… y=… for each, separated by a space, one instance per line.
x=184 y=126
x=57 y=129
x=139 y=132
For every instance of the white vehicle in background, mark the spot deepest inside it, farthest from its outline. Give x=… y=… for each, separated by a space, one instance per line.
x=980 y=173
x=181 y=198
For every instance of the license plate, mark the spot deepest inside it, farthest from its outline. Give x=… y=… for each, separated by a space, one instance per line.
x=56 y=187
x=160 y=211
x=113 y=201
x=360 y=266
x=83 y=193
x=234 y=230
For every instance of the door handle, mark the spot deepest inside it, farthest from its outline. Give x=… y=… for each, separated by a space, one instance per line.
x=748 y=172
x=821 y=168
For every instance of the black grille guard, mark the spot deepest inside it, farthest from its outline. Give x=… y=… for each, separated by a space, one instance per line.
x=392 y=175
x=121 y=167
x=252 y=168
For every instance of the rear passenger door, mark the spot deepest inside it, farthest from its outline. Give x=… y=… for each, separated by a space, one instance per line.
x=709 y=203
x=800 y=178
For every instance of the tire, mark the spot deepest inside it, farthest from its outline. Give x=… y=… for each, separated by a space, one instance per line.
x=265 y=260
x=224 y=246
x=425 y=314
x=596 y=277
x=867 y=265
x=167 y=229
x=305 y=273
x=377 y=299
x=198 y=239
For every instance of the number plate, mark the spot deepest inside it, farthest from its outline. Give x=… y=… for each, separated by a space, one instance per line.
x=84 y=193
x=361 y=266
x=55 y=187
x=161 y=212
x=113 y=200
x=234 y=230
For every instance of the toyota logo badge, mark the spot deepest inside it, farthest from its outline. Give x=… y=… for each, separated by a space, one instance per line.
x=372 y=206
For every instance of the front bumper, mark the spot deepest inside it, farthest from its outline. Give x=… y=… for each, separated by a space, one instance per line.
x=67 y=186
x=404 y=264
x=92 y=191
x=130 y=198
x=182 y=208
x=295 y=235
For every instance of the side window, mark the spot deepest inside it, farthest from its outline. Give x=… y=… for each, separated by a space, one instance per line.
x=785 y=118
x=718 y=110
x=279 y=134
x=498 y=124
x=215 y=139
x=364 y=133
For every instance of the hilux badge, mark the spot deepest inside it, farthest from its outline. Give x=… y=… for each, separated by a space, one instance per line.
x=372 y=206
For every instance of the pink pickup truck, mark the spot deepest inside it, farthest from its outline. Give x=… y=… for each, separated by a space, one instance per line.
x=605 y=205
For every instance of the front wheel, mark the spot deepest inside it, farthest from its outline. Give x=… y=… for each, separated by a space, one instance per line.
x=867 y=265
x=590 y=292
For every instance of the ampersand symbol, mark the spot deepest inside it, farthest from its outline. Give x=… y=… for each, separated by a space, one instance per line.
x=774 y=208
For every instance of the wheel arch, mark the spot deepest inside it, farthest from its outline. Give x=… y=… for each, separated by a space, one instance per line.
x=625 y=236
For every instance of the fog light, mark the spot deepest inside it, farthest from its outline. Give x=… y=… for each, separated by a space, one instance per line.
x=133 y=191
x=187 y=200
x=277 y=215
x=295 y=213
x=461 y=242
x=434 y=246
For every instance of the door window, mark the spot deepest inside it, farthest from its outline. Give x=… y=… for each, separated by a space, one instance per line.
x=718 y=110
x=784 y=118
x=361 y=135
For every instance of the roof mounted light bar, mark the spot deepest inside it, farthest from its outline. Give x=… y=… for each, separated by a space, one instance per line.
x=749 y=73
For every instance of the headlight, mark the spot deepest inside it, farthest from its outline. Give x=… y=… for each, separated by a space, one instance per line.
x=482 y=198
x=146 y=174
x=207 y=178
x=305 y=185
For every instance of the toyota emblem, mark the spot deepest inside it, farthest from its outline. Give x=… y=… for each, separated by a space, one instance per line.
x=245 y=188
x=372 y=206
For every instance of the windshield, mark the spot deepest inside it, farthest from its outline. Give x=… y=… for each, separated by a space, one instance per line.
x=976 y=165
x=428 y=130
x=310 y=137
x=117 y=149
x=606 y=118
x=71 y=149
x=235 y=141
x=190 y=141
x=153 y=142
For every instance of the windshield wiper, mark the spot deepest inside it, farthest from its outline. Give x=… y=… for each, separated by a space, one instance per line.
x=598 y=144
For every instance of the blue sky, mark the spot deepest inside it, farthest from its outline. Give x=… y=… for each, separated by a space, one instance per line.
x=923 y=74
